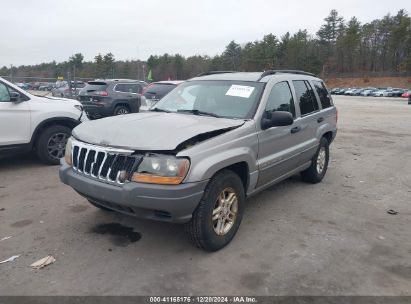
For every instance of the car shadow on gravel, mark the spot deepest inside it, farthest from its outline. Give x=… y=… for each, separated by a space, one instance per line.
x=28 y=160
x=121 y=230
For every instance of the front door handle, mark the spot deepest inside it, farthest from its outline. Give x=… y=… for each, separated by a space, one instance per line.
x=295 y=130
x=320 y=120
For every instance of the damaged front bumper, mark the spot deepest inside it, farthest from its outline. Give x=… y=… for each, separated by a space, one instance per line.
x=168 y=203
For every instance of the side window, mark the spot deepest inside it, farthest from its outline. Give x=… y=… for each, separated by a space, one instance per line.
x=305 y=96
x=4 y=93
x=280 y=99
x=323 y=94
x=123 y=87
x=136 y=88
x=119 y=87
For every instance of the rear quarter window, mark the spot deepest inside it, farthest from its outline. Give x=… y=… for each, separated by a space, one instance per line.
x=305 y=97
x=323 y=93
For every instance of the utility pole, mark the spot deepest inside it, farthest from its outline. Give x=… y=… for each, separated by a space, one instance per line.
x=74 y=79
x=144 y=72
x=69 y=82
x=11 y=72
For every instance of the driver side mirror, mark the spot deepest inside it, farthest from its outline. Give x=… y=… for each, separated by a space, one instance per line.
x=14 y=97
x=276 y=119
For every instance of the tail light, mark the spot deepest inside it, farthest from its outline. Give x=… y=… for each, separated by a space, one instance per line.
x=102 y=93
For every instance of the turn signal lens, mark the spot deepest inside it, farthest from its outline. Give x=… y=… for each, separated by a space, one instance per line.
x=151 y=179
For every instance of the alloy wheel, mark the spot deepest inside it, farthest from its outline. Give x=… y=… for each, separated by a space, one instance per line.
x=321 y=158
x=225 y=211
x=56 y=145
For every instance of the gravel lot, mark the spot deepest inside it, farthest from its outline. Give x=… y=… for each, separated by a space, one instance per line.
x=334 y=238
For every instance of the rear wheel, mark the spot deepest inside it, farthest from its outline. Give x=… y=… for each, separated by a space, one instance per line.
x=319 y=164
x=51 y=144
x=121 y=110
x=219 y=213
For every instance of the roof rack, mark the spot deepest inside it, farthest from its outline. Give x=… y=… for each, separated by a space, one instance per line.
x=214 y=72
x=273 y=72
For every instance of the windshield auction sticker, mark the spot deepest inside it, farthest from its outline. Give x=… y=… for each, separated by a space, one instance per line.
x=240 y=91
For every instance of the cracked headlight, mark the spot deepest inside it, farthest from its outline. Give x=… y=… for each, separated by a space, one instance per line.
x=161 y=169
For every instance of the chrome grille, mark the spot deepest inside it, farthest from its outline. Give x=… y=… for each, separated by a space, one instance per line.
x=104 y=163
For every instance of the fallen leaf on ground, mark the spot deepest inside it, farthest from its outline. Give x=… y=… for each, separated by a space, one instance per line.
x=43 y=262
x=5 y=238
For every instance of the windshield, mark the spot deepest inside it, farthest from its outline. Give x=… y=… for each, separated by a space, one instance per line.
x=232 y=99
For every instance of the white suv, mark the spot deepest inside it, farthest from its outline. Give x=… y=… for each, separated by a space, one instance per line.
x=29 y=122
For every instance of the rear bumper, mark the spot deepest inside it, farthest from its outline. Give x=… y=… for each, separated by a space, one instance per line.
x=168 y=203
x=95 y=111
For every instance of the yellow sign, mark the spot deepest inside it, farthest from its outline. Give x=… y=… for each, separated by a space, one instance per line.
x=60 y=78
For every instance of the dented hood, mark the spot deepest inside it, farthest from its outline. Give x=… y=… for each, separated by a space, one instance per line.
x=150 y=131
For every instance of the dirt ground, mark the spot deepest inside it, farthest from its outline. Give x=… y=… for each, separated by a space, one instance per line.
x=333 y=238
x=362 y=82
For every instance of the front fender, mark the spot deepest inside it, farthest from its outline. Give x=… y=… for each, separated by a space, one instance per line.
x=208 y=166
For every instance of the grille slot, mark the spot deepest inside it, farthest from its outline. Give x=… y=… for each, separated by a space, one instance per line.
x=101 y=163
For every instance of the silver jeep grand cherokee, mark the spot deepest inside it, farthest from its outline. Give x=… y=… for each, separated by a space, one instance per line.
x=204 y=148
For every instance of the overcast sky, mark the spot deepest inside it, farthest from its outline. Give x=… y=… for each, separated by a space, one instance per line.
x=46 y=30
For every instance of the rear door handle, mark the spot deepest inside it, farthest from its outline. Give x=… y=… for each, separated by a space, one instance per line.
x=320 y=120
x=295 y=129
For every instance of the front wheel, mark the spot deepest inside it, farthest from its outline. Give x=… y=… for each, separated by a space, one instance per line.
x=219 y=213
x=319 y=163
x=51 y=144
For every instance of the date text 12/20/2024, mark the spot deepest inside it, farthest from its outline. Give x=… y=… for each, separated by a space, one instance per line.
x=203 y=299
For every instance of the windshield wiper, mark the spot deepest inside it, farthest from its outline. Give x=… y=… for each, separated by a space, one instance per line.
x=198 y=112
x=159 y=110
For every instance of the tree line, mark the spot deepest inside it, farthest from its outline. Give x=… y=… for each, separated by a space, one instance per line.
x=339 y=46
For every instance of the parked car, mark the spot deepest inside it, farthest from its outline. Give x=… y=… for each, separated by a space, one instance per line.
x=368 y=92
x=350 y=91
x=34 y=86
x=406 y=94
x=379 y=92
x=46 y=87
x=102 y=98
x=387 y=92
x=154 y=91
x=65 y=91
x=23 y=86
x=334 y=91
x=29 y=122
x=340 y=91
x=195 y=161
x=358 y=92
x=396 y=92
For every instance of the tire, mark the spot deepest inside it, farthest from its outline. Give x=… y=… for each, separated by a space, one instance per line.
x=100 y=207
x=121 y=110
x=319 y=164
x=202 y=229
x=51 y=144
